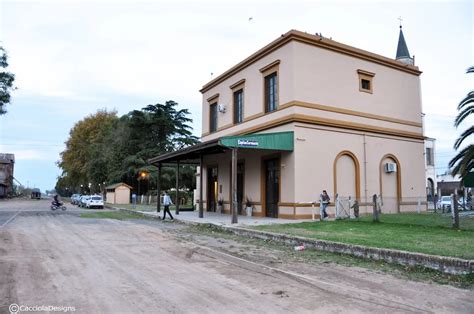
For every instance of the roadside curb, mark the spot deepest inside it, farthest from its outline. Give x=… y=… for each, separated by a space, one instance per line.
x=449 y=265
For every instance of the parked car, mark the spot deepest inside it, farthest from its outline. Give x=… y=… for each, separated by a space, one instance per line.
x=75 y=199
x=83 y=200
x=465 y=206
x=461 y=203
x=78 y=199
x=444 y=202
x=95 y=201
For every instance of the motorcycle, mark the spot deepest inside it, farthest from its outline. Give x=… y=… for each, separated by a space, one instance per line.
x=57 y=206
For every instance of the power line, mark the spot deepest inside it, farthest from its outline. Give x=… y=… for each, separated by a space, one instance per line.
x=28 y=139
x=29 y=145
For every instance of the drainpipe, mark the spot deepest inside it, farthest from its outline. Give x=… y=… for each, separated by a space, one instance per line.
x=201 y=173
x=365 y=170
x=158 y=189
x=234 y=185
x=177 y=187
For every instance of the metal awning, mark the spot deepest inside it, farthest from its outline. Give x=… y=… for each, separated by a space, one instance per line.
x=279 y=141
x=189 y=154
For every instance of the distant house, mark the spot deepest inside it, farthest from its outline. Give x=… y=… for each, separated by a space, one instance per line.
x=36 y=194
x=447 y=184
x=7 y=162
x=118 y=193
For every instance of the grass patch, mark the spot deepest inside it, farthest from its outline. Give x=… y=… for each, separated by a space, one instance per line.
x=119 y=215
x=424 y=233
x=145 y=208
x=321 y=257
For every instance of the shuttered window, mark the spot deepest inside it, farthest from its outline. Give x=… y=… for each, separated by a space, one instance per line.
x=213 y=117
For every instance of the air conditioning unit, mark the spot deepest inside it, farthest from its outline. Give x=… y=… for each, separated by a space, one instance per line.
x=221 y=108
x=390 y=167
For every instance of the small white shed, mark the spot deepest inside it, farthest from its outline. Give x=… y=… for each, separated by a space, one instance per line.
x=118 y=193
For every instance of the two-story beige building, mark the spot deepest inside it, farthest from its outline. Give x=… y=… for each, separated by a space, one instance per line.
x=305 y=114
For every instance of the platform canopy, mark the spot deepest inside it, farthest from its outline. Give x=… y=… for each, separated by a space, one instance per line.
x=279 y=141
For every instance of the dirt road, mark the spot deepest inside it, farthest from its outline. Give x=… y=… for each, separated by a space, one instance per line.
x=111 y=266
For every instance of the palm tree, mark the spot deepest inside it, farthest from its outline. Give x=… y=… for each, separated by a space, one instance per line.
x=463 y=162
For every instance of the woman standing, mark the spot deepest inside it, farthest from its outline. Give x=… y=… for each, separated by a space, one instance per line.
x=324 y=204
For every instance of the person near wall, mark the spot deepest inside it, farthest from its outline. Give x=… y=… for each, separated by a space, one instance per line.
x=325 y=201
x=166 y=203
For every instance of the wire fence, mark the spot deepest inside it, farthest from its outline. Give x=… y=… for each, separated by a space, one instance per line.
x=347 y=207
x=185 y=198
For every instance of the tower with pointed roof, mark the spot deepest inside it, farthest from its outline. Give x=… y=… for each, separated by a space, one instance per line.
x=402 y=50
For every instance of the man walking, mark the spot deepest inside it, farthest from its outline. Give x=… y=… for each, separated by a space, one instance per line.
x=167 y=202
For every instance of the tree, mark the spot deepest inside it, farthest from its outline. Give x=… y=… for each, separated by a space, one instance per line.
x=463 y=162
x=63 y=187
x=146 y=133
x=103 y=148
x=6 y=82
x=83 y=160
x=169 y=127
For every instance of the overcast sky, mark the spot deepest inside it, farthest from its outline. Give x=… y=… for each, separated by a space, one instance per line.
x=72 y=58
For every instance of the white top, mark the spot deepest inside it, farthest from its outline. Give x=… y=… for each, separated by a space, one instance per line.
x=167 y=200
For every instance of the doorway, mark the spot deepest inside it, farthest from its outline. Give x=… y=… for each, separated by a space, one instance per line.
x=390 y=185
x=212 y=186
x=430 y=190
x=272 y=186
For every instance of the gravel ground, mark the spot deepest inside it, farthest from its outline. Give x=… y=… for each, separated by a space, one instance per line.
x=103 y=265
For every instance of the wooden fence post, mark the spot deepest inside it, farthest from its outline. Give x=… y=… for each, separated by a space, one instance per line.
x=376 y=212
x=455 y=211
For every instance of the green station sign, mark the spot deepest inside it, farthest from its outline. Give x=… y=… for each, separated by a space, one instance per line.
x=272 y=141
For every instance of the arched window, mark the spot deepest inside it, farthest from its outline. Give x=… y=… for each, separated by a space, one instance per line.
x=390 y=183
x=346 y=172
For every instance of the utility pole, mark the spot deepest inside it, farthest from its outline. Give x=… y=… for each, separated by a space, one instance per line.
x=177 y=187
x=158 y=189
x=201 y=209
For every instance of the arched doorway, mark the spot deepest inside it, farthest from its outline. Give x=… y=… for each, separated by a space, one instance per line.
x=390 y=184
x=346 y=175
x=430 y=191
